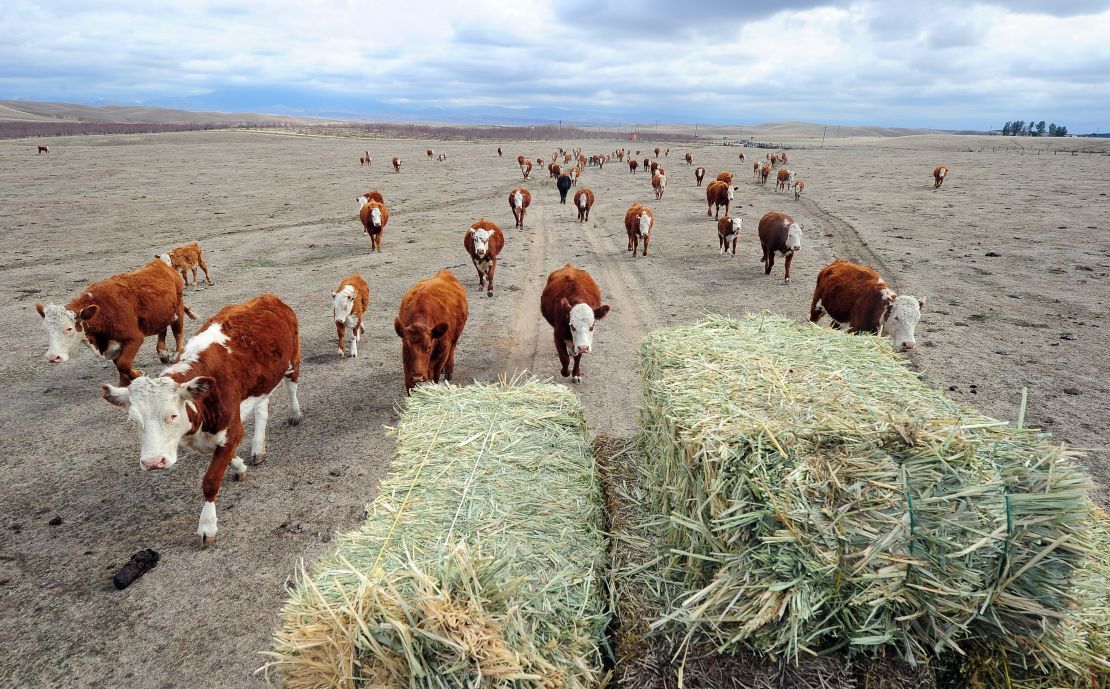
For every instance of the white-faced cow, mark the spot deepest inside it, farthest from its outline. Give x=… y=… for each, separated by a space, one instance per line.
x=519 y=200
x=483 y=241
x=638 y=223
x=584 y=201
x=571 y=303
x=778 y=233
x=349 y=303
x=940 y=172
x=699 y=174
x=855 y=295
x=718 y=194
x=728 y=232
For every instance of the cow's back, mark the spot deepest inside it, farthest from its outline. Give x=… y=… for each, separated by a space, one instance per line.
x=773 y=228
x=147 y=298
x=572 y=284
x=263 y=337
x=845 y=287
x=437 y=299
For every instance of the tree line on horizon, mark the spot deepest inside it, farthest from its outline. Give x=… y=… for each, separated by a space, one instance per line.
x=1031 y=128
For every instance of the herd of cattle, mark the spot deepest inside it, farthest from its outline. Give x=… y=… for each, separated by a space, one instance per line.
x=238 y=358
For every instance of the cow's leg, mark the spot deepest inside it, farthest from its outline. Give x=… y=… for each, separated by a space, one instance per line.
x=721 y=241
x=577 y=376
x=709 y=209
x=768 y=261
x=647 y=238
x=210 y=484
x=449 y=368
x=789 y=258
x=185 y=276
x=178 y=330
x=238 y=469
x=195 y=280
x=163 y=354
x=734 y=240
x=356 y=333
x=340 y=331
x=258 y=442
x=127 y=352
x=489 y=283
x=564 y=357
x=290 y=383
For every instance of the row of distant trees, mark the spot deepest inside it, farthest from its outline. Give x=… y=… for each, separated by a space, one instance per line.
x=1031 y=128
x=548 y=132
x=21 y=130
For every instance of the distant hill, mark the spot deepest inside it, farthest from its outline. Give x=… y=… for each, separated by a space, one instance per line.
x=32 y=111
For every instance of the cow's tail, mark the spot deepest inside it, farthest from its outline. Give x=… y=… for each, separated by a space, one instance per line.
x=189 y=313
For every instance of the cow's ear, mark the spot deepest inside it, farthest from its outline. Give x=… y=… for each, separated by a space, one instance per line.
x=437 y=332
x=398 y=327
x=333 y=293
x=921 y=303
x=88 y=312
x=121 y=397
x=40 y=309
x=564 y=304
x=196 y=388
x=600 y=312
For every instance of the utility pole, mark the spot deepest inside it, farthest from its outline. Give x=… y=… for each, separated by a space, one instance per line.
x=823 y=136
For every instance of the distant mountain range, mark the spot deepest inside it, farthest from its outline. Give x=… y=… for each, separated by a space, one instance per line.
x=32 y=111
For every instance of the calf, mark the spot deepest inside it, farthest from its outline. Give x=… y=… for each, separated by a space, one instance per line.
x=939 y=173
x=583 y=201
x=431 y=319
x=115 y=315
x=632 y=165
x=571 y=303
x=349 y=303
x=725 y=177
x=728 y=231
x=228 y=371
x=778 y=232
x=365 y=159
x=373 y=195
x=784 y=180
x=689 y=159
x=484 y=241
x=638 y=221
x=764 y=173
x=856 y=295
x=574 y=174
x=718 y=194
x=526 y=168
x=743 y=157
x=374 y=216
x=756 y=167
x=659 y=184
x=519 y=200
x=699 y=174
x=396 y=164
x=185 y=259
x=554 y=170
x=563 y=183
x=799 y=187
x=43 y=149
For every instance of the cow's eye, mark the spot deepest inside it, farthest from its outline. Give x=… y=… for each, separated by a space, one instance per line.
x=573 y=328
x=69 y=330
x=173 y=417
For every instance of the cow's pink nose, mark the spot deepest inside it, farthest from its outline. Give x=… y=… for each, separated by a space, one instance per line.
x=907 y=346
x=153 y=463
x=584 y=349
x=54 y=358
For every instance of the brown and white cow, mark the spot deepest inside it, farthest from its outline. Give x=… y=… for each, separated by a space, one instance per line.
x=571 y=303
x=43 y=149
x=185 y=259
x=653 y=167
x=638 y=223
x=724 y=176
x=519 y=200
x=940 y=172
x=779 y=233
x=228 y=371
x=526 y=168
x=365 y=159
x=799 y=187
x=756 y=167
x=574 y=174
x=396 y=164
x=728 y=232
x=632 y=165
x=656 y=151
x=372 y=195
x=857 y=296
x=659 y=184
x=784 y=180
x=764 y=173
x=743 y=157
x=430 y=322
x=554 y=170
x=374 y=216
x=483 y=241
x=699 y=174
x=584 y=201
x=520 y=160
x=429 y=152
x=115 y=315
x=349 y=303
x=718 y=193
x=782 y=157
x=441 y=157
x=689 y=159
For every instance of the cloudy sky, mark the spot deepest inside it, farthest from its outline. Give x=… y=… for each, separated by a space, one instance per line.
x=945 y=64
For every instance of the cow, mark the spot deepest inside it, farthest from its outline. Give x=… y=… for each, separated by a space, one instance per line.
x=566 y=159
x=185 y=259
x=349 y=303
x=647 y=163
x=782 y=157
x=659 y=184
x=396 y=164
x=742 y=157
x=632 y=165
x=519 y=200
x=718 y=194
x=939 y=173
x=799 y=187
x=430 y=322
x=764 y=173
x=699 y=174
x=584 y=201
x=728 y=231
x=526 y=168
x=571 y=303
x=114 y=316
x=724 y=176
x=574 y=173
x=499 y=153
x=653 y=167
x=228 y=371
x=784 y=180
x=374 y=216
x=442 y=157
x=554 y=170
x=520 y=160
x=667 y=153
x=857 y=296
x=756 y=167
x=429 y=153
x=638 y=222
x=689 y=159
x=778 y=232
x=656 y=151
x=563 y=183
x=484 y=241
x=43 y=149
x=365 y=159
x=372 y=195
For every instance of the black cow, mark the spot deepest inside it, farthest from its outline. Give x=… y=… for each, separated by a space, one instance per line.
x=564 y=186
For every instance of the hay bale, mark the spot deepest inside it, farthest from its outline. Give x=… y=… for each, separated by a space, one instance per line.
x=817 y=495
x=480 y=562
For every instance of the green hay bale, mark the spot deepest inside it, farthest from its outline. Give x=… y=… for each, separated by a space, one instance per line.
x=480 y=562
x=818 y=496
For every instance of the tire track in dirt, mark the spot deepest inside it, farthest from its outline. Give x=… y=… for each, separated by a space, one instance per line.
x=523 y=343
x=847 y=242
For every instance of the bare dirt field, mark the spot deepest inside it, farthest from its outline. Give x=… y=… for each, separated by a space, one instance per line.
x=1012 y=255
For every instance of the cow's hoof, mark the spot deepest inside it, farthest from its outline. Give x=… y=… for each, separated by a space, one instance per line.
x=165 y=357
x=239 y=476
x=295 y=420
x=340 y=351
x=257 y=459
x=787 y=282
x=206 y=539
x=565 y=372
x=489 y=293
x=576 y=379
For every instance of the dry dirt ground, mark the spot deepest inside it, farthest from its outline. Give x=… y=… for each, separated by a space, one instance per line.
x=278 y=213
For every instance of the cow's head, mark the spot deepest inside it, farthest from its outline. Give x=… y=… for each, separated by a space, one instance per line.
x=343 y=301
x=794 y=237
x=362 y=200
x=165 y=258
x=417 y=343
x=582 y=322
x=734 y=225
x=161 y=408
x=902 y=316
x=64 y=328
x=376 y=217
x=732 y=192
x=645 y=224
x=480 y=237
